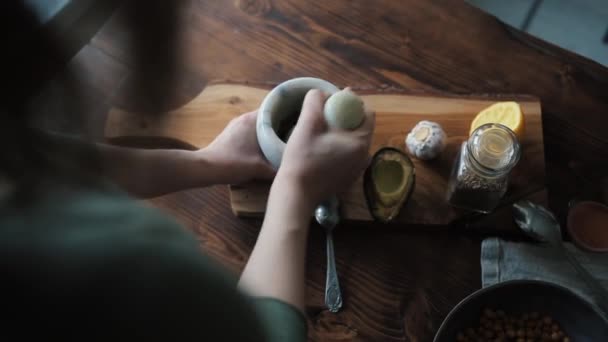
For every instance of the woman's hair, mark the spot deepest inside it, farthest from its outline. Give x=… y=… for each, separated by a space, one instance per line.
x=33 y=55
x=30 y=58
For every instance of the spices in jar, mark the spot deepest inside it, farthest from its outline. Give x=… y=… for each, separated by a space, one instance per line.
x=480 y=174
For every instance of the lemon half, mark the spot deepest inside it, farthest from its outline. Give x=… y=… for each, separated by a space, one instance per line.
x=505 y=113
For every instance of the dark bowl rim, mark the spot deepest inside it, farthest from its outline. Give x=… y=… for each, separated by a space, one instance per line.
x=514 y=282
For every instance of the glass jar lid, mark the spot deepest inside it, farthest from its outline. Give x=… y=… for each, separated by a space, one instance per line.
x=494 y=148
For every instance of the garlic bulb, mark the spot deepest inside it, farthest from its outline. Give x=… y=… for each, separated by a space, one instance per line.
x=426 y=140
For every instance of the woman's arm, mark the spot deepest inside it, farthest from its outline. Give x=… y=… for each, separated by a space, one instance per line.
x=233 y=157
x=149 y=173
x=276 y=267
x=318 y=162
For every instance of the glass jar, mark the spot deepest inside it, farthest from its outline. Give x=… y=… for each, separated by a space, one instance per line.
x=480 y=175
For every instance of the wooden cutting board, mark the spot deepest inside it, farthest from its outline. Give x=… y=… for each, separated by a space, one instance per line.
x=201 y=120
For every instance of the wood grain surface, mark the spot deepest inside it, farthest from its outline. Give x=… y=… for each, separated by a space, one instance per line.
x=199 y=121
x=398 y=285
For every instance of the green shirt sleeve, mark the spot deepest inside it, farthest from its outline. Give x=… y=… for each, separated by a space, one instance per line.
x=99 y=266
x=282 y=321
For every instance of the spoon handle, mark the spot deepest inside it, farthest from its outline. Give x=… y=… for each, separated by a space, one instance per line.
x=599 y=293
x=333 y=296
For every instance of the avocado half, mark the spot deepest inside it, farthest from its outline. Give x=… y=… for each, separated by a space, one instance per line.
x=388 y=183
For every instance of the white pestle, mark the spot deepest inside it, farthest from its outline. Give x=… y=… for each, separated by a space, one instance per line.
x=344 y=110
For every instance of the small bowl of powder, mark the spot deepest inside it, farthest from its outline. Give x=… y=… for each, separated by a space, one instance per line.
x=588 y=226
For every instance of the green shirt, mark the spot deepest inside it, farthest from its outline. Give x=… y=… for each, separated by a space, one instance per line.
x=96 y=265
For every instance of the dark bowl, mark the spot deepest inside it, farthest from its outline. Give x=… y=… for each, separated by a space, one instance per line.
x=577 y=317
x=587 y=224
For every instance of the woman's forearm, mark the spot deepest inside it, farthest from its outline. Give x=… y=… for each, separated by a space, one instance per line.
x=150 y=173
x=233 y=157
x=146 y=172
x=276 y=267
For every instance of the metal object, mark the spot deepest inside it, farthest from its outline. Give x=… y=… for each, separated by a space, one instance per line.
x=327 y=214
x=540 y=224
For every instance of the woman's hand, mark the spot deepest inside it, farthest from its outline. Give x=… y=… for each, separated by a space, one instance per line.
x=320 y=161
x=235 y=153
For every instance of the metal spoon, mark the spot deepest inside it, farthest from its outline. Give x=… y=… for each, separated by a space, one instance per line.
x=327 y=215
x=540 y=224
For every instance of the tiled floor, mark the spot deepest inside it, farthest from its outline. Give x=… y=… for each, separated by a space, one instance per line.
x=577 y=25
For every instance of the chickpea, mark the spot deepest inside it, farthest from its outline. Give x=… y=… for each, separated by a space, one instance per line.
x=489 y=313
x=498 y=326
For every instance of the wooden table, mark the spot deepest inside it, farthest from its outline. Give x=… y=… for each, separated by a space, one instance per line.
x=398 y=283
